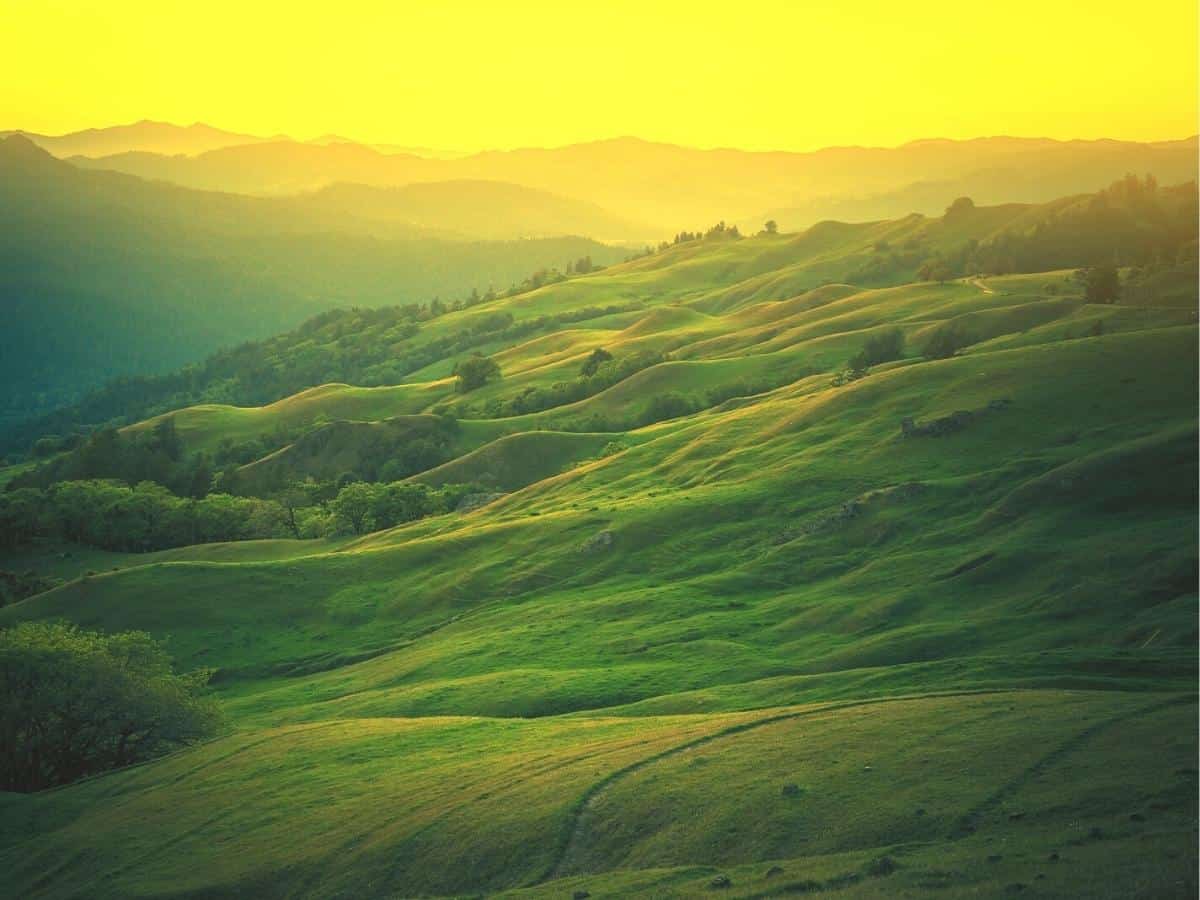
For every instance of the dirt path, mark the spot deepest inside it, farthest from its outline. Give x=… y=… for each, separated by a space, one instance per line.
x=978 y=282
x=967 y=824
x=574 y=832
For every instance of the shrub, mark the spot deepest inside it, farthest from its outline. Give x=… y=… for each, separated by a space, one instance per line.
x=74 y=703
x=945 y=342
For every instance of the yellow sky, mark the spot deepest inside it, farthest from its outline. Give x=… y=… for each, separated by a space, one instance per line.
x=470 y=75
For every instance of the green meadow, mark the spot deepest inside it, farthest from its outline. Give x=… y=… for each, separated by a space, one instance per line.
x=734 y=625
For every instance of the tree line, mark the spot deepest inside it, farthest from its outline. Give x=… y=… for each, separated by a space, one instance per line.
x=144 y=517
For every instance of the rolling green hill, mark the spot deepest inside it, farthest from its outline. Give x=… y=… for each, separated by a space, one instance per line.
x=688 y=300
x=925 y=632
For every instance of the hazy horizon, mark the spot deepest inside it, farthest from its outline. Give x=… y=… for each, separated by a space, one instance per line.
x=418 y=143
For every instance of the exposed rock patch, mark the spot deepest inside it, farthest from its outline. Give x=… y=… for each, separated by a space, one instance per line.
x=598 y=542
x=956 y=421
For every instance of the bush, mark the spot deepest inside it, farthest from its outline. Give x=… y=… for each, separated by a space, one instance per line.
x=74 y=703
x=945 y=342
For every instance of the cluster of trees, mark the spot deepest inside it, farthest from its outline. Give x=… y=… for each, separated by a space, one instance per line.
x=890 y=259
x=145 y=517
x=361 y=507
x=114 y=516
x=1133 y=222
x=152 y=455
x=717 y=232
x=888 y=345
x=74 y=703
x=881 y=347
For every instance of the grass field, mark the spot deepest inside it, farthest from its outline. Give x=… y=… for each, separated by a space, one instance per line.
x=774 y=642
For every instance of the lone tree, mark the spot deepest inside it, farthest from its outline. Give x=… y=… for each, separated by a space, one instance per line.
x=474 y=372
x=1101 y=284
x=772 y=227
x=74 y=703
x=961 y=207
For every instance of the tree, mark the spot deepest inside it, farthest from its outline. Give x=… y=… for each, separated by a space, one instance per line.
x=772 y=227
x=880 y=348
x=960 y=208
x=598 y=357
x=1101 y=284
x=945 y=342
x=400 y=502
x=74 y=703
x=474 y=372
x=352 y=506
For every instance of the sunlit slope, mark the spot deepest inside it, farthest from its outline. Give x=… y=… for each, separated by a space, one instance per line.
x=1081 y=794
x=726 y=559
x=705 y=359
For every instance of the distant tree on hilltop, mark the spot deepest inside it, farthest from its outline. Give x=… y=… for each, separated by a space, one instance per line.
x=960 y=208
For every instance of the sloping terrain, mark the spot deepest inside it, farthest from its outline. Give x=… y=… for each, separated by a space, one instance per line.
x=925 y=632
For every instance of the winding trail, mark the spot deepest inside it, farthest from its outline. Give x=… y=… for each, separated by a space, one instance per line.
x=574 y=827
x=967 y=824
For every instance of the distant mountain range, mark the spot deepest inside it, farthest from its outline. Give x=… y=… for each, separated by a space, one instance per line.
x=144 y=136
x=666 y=187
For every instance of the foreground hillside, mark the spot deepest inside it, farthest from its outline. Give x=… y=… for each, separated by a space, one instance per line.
x=923 y=628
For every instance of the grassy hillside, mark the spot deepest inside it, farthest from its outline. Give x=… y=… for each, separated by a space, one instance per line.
x=926 y=632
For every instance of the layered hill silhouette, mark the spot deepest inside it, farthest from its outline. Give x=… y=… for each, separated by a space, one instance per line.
x=87 y=254
x=674 y=188
x=145 y=136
